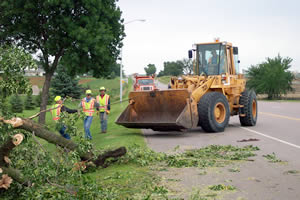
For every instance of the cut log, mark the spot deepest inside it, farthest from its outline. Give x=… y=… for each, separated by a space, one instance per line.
x=100 y=161
x=5 y=181
x=7 y=160
x=17 y=139
x=16 y=175
x=40 y=131
x=5 y=150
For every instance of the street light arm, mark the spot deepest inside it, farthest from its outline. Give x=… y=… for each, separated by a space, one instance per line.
x=135 y=20
x=121 y=65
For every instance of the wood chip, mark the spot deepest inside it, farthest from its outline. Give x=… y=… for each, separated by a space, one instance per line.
x=15 y=122
x=7 y=160
x=17 y=139
x=80 y=166
x=5 y=181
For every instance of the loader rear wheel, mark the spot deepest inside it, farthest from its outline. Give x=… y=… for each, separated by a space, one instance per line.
x=248 y=113
x=213 y=110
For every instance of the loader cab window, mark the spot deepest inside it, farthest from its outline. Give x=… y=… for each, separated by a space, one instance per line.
x=211 y=59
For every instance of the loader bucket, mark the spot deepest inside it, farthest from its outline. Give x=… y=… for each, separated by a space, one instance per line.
x=160 y=110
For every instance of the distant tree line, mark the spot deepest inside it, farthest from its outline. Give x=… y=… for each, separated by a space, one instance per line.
x=172 y=68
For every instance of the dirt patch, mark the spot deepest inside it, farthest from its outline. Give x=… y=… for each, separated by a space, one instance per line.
x=37 y=80
x=83 y=81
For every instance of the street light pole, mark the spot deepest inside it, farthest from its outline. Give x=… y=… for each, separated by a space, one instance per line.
x=121 y=64
x=121 y=76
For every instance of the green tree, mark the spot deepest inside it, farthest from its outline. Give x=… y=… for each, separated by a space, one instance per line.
x=13 y=62
x=161 y=73
x=271 y=77
x=173 y=68
x=112 y=75
x=85 y=35
x=29 y=104
x=150 y=69
x=64 y=85
x=187 y=66
x=116 y=69
x=16 y=104
x=38 y=99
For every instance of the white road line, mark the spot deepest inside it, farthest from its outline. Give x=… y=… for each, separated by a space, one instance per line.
x=273 y=138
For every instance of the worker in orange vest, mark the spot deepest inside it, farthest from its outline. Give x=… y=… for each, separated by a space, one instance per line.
x=88 y=105
x=56 y=109
x=104 y=108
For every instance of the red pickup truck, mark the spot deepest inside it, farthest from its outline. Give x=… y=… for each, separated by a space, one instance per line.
x=144 y=83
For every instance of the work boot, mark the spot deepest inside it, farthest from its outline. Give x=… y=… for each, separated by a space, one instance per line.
x=103 y=131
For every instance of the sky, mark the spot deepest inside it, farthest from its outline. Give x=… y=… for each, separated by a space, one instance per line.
x=259 y=28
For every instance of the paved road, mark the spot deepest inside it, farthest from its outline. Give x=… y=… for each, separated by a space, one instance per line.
x=278 y=131
x=160 y=85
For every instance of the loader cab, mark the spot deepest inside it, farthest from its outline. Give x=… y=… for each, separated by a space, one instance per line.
x=215 y=59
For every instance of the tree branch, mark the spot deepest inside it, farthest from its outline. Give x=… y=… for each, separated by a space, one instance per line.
x=16 y=175
x=100 y=161
x=56 y=59
x=7 y=147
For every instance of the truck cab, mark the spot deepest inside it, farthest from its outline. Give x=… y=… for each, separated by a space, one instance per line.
x=144 y=83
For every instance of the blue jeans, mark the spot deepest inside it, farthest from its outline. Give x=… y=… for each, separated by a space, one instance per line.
x=87 y=124
x=63 y=133
x=103 y=121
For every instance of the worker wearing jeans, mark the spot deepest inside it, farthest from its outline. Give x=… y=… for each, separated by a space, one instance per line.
x=87 y=124
x=56 y=109
x=104 y=108
x=88 y=104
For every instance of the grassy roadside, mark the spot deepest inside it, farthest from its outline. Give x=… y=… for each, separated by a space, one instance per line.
x=164 y=79
x=130 y=179
x=137 y=177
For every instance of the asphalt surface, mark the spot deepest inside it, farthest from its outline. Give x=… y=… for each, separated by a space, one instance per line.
x=160 y=85
x=278 y=131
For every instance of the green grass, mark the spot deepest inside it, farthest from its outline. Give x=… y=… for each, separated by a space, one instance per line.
x=164 y=79
x=112 y=87
x=130 y=179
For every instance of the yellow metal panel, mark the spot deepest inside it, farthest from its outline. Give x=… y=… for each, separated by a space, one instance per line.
x=200 y=91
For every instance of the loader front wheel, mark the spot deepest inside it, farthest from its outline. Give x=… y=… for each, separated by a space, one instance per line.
x=213 y=110
x=248 y=113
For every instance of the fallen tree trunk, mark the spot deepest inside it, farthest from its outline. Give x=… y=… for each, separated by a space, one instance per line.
x=16 y=175
x=41 y=132
x=5 y=150
x=100 y=161
x=53 y=138
x=7 y=147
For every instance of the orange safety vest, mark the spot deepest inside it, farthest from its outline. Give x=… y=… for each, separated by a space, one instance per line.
x=88 y=108
x=56 y=111
x=103 y=102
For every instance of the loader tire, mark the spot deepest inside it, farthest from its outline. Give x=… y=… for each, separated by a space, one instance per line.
x=248 y=113
x=213 y=110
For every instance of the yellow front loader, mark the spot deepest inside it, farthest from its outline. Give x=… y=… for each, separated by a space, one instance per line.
x=208 y=98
